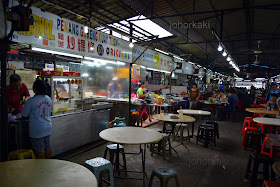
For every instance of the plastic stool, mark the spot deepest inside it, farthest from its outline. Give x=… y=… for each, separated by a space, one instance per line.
x=161 y=145
x=265 y=127
x=164 y=174
x=254 y=140
x=214 y=125
x=112 y=151
x=248 y=122
x=246 y=131
x=97 y=165
x=138 y=120
x=206 y=134
x=270 y=183
x=21 y=154
x=257 y=115
x=272 y=151
x=258 y=159
x=181 y=127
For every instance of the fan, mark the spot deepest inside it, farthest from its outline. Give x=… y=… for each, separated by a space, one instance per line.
x=259 y=50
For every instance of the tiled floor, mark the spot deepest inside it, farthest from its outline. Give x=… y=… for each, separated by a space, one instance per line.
x=223 y=165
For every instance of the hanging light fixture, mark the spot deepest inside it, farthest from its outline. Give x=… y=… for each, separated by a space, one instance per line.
x=220 y=47
x=224 y=53
x=131 y=45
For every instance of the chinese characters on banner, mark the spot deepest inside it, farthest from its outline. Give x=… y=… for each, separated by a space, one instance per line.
x=52 y=32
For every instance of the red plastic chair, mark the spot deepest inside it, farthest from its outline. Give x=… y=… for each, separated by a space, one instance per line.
x=257 y=115
x=246 y=130
x=271 y=183
x=248 y=122
x=270 y=153
x=265 y=127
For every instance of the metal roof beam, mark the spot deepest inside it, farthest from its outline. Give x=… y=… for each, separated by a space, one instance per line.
x=270 y=6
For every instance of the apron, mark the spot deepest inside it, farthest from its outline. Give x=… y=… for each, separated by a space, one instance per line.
x=144 y=113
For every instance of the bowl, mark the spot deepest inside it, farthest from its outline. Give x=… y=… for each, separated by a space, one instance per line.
x=174 y=117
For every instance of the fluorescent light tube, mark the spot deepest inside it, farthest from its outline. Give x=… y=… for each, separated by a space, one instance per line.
x=55 y=52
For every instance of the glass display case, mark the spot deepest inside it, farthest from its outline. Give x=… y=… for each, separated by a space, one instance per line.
x=66 y=93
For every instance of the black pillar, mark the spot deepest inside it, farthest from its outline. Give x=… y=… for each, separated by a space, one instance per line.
x=4 y=105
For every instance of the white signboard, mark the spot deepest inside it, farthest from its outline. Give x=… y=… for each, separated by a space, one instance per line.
x=52 y=32
x=151 y=59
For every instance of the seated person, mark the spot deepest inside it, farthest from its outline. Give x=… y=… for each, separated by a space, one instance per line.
x=216 y=94
x=272 y=104
x=255 y=101
x=222 y=96
x=229 y=106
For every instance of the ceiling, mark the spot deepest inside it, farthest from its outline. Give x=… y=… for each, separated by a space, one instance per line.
x=239 y=24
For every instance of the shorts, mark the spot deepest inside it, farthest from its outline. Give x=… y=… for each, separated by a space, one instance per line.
x=40 y=145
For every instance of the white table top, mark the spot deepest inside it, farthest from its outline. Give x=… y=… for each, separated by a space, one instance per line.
x=45 y=173
x=215 y=103
x=267 y=121
x=194 y=112
x=154 y=104
x=130 y=135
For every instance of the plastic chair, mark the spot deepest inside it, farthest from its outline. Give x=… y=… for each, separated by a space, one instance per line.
x=265 y=127
x=180 y=128
x=161 y=146
x=21 y=154
x=112 y=148
x=206 y=134
x=164 y=174
x=248 y=122
x=258 y=159
x=97 y=165
x=270 y=183
x=271 y=149
x=246 y=131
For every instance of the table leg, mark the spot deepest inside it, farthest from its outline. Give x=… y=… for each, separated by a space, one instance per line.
x=144 y=164
x=118 y=159
x=192 y=129
x=149 y=113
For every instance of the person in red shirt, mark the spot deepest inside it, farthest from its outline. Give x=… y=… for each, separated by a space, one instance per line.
x=17 y=94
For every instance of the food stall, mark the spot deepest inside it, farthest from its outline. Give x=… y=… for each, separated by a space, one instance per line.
x=79 y=94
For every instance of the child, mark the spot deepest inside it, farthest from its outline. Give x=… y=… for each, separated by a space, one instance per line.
x=38 y=109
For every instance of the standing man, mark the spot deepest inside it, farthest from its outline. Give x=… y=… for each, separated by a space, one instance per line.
x=114 y=88
x=38 y=109
x=273 y=90
x=17 y=94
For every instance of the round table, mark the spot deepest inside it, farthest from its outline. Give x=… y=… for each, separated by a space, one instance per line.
x=182 y=119
x=215 y=103
x=45 y=173
x=194 y=112
x=267 y=121
x=131 y=136
x=262 y=111
x=276 y=168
